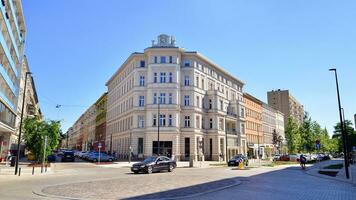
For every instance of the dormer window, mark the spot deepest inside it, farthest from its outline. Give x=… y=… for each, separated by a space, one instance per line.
x=170 y=59
x=155 y=59
x=142 y=63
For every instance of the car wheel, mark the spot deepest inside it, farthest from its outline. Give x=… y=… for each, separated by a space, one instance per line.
x=135 y=172
x=149 y=170
x=170 y=168
x=110 y=160
x=95 y=160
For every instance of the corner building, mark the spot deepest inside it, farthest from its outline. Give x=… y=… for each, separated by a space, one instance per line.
x=198 y=103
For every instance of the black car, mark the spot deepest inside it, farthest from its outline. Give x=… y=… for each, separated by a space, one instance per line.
x=51 y=158
x=237 y=159
x=68 y=156
x=154 y=164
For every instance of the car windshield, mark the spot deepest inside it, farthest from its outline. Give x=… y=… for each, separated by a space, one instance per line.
x=150 y=159
x=237 y=157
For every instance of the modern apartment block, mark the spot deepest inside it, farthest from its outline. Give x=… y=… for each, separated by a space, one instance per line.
x=198 y=104
x=12 y=39
x=283 y=101
x=280 y=127
x=254 y=132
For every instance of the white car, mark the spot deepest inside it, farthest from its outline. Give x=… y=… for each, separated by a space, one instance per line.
x=276 y=157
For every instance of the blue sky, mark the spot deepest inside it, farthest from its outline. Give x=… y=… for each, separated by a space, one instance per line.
x=73 y=47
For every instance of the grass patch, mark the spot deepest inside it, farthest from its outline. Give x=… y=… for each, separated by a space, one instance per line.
x=335 y=166
x=328 y=173
x=284 y=163
x=269 y=165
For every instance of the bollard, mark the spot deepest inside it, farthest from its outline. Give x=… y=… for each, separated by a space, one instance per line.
x=20 y=171
x=33 y=170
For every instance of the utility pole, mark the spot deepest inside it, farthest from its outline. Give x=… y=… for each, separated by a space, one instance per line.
x=226 y=158
x=20 y=131
x=343 y=133
x=44 y=152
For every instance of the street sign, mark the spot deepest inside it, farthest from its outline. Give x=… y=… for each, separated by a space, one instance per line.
x=99 y=145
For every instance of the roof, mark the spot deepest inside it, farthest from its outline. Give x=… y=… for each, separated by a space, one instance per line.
x=252 y=98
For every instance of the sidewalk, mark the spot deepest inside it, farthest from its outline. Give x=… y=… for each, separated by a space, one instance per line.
x=314 y=171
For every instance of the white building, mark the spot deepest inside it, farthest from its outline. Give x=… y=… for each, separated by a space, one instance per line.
x=199 y=103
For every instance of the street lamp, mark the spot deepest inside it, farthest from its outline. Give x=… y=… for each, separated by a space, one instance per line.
x=19 y=138
x=342 y=127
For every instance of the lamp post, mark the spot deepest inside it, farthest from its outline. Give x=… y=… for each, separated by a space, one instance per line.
x=158 y=124
x=346 y=138
x=19 y=138
x=342 y=127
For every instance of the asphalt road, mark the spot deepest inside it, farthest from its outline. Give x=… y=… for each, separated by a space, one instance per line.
x=87 y=181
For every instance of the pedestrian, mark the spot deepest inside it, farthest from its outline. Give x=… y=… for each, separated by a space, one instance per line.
x=302 y=161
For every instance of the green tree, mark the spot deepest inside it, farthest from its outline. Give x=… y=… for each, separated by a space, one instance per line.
x=307 y=134
x=351 y=135
x=35 y=131
x=292 y=135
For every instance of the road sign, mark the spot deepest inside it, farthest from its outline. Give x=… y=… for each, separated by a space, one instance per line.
x=99 y=145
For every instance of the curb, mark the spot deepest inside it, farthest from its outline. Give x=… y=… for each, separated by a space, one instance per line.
x=38 y=192
x=327 y=177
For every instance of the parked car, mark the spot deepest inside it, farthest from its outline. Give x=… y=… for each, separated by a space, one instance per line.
x=294 y=157
x=276 y=157
x=284 y=158
x=51 y=158
x=78 y=154
x=94 y=157
x=68 y=156
x=237 y=159
x=154 y=164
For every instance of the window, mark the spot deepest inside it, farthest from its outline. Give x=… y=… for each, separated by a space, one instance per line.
x=221 y=124
x=198 y=102
x=197 y=81
x=162 y=120
x=203 y=123
x=162 y=98
x=141 y=102
x=210 y=104
x=211 y=123
x=170 y=59
x=140 y=146
x=141 y=122
x=155 y=98
x=170 y=98
x=155 y=59
x=202 y=84
x=197 y=121
x=163 y=77
x=142 y=81
x=170 y=120
x=154 y=120
x=186 y=121
x=186 y=80
x=186 y=100
x=142 y=63
x=186 y=63
x=170 y=77
x=221 y=105
x=163 y=59
x=155 y=77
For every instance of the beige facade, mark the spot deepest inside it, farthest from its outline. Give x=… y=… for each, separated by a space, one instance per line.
x=283 y=101
x=254 y=133
x=199 y=103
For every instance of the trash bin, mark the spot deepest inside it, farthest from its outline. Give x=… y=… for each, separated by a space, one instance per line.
x=12 y=161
